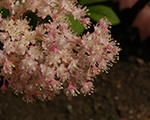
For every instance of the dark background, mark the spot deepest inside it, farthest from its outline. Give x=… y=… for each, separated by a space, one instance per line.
x=122 y=94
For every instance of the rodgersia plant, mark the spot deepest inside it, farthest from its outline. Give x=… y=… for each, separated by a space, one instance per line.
x=38 y=63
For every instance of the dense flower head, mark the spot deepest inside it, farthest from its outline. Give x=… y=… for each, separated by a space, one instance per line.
x=41 y=62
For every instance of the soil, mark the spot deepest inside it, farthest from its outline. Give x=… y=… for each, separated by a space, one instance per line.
x=122 y=94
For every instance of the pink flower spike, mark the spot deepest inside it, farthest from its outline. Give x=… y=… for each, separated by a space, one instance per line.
x=87 y=87
x=39 y=61
x=72 y=89
x=85 y=22
x=4 y=88
x=104 y=23
x=95 y=70
x=55 y=85
x=28 y=98
x=8 y=65
x=53 y=48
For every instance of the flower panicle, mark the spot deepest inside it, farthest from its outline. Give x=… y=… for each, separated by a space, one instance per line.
x=39 y=62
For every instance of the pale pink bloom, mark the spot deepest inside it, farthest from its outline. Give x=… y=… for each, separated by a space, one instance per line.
x=35 y=52
x=22 y=25
x=14 y=58
x=16 y=7
x=103 y=23
x=78 y=13
x=24 y=77
x=30 y=88
x=32 y=4
x=47 y=72
x=44 y=94
x=87 y=87
x=79 y=75
x=18 y=88
x=51 y=28
x=8 y=67
x=54 y=85
x=61 y=70
x=89 y=74
x=2 y=58
x=43 y=11
x=21 y=47
x=29 y=37
x=65 y=77
x=6 y=3
x=49 y=1
x=4 y=88
x=83 y=58
x=65 y=55
x=23 y=1
x=68 y=5
x=70 y=37
x=3 y=36
x=16 y=29
x=61 y=41
x=63 y=73
x=87 y=41
x=95 y=71
x=8 y=25
x=72 y=90
x=86 y=22
x=28 y=65
x=53 y=58
x=39 y=32
x=28 y=98
x=35 y=62
x=73 y=66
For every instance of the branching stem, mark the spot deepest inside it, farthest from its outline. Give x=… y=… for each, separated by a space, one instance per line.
x=20 y=13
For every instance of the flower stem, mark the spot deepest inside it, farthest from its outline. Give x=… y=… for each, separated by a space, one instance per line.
x=20 y=13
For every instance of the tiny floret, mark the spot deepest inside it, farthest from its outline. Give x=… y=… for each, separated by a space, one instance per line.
x=87 y=88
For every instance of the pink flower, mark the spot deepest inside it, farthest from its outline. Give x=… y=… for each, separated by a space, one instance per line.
x=47 y=72
x=35 y=52
x=30 y=88
x=55 y=85
x=86 y=22
x=8 y=67
x=4 y=88
x=62 y=73
x=9 y=46
x=28 y=98
x=52 y=56
x=72 y=89
x=3 y=36
x=87 y=87
x=28 y=65
x=18 y=88
x=2 y=58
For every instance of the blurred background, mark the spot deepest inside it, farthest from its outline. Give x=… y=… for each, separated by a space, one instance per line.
x=123 y=93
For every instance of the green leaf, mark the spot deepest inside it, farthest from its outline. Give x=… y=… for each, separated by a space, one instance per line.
x=99 y=11
x=5 y=12
x=83 y=2
x=20 y=1
x=77 y=25
x=1 y=8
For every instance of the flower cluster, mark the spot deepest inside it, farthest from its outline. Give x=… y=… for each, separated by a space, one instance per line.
x=38 y=63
